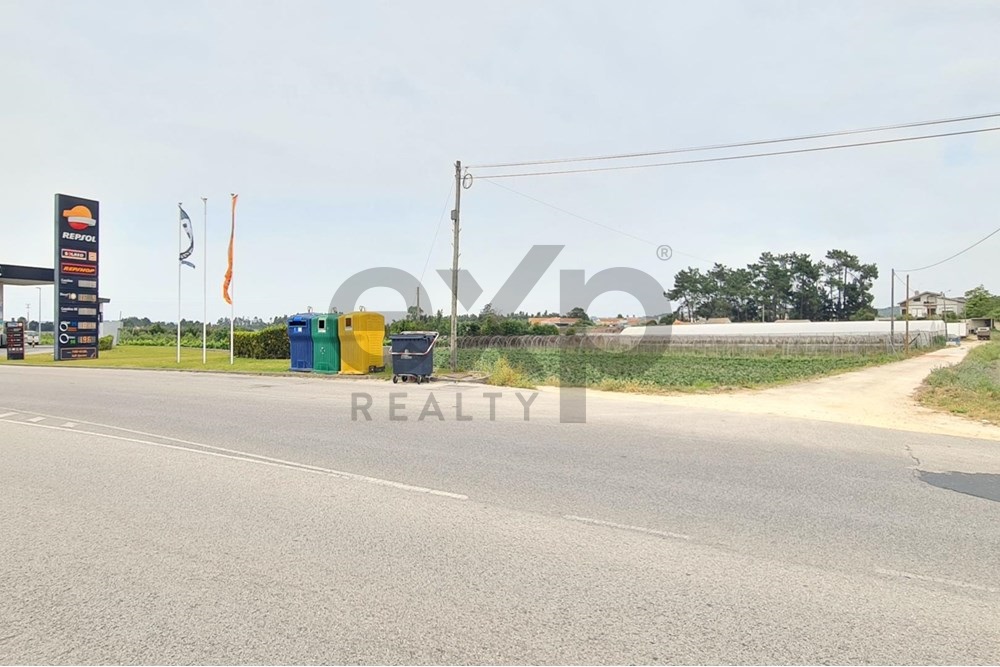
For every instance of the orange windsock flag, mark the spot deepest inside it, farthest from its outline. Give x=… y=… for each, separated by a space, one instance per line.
x=229 y=270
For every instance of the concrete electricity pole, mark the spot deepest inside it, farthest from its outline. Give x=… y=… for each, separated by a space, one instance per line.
x=453 y=339
x=892 y=310
x=906 y=317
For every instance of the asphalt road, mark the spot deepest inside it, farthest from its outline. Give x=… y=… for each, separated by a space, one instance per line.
x=151 y=517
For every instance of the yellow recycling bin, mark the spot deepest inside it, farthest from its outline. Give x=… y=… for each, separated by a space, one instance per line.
x=361 y=334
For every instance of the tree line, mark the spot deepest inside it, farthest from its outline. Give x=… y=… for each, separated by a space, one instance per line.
x=777 y=287
x=980 y=302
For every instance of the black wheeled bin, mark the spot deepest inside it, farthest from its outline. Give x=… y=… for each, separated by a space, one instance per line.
x=413 y=355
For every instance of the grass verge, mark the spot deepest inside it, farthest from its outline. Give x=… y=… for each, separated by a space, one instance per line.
x=128 y=356
x=970 y=388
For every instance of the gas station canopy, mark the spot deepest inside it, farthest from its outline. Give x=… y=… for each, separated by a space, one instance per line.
x=11 y=274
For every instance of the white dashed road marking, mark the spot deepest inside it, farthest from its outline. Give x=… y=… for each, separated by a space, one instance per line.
x=623 y=526
x=69 y=425
x=7 y=414
x=239 y=456
x=938 y=580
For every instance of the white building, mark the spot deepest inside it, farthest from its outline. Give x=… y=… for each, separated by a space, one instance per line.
x=932 y=304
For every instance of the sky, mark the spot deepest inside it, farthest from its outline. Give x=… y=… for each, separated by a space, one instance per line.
x=339 y=123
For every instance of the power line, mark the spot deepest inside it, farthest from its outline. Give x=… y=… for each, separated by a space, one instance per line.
x=742 y=157
x=948 y=259
x=437 y=231
x=740 y=144
x=593 y=222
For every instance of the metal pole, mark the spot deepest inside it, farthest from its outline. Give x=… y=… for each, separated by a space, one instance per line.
x=204 y=283
x=906 y=316
x=453 y=338
x=179 y=287
x=40 y=315
x=232 y=288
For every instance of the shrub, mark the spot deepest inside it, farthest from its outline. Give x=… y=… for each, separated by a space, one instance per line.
x=104 y=343
x=544 y=330
x=503 y=374
x=269 y=343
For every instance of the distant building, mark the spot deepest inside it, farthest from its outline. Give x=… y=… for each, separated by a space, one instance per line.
x=932 y=304
x=622 y=322
x=558 y=322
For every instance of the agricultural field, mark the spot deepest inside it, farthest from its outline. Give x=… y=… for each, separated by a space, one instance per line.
x=523 y=367
x=651 y=371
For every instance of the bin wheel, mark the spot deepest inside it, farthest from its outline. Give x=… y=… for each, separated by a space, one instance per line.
x=395 y=379
x=419 y=379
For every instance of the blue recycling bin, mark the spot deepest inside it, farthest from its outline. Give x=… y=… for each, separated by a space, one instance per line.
x=300 y=341
x=413 y=355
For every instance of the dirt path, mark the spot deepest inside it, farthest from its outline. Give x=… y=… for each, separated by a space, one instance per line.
x=879 y=396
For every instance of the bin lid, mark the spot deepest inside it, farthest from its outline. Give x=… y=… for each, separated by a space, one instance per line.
x=301 y=318
x=413 y=335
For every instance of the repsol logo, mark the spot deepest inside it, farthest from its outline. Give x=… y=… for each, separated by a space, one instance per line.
x=73 y=236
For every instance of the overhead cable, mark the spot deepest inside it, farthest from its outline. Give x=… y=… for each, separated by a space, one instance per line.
x=741 y=144
x=741 y=157
x=948 y=259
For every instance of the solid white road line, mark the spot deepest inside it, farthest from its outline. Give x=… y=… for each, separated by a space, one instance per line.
x=253 y=458
x=938 y=580
x=623 y=526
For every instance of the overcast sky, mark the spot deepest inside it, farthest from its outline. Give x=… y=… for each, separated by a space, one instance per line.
x=339 y=123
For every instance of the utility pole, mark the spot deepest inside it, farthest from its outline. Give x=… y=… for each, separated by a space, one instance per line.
x=416 y=315
x=906 y=316
x=944 y=318
x=453 y=339
x=892 y=310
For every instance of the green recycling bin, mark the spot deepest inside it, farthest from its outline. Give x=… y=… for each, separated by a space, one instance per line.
x=326 y=343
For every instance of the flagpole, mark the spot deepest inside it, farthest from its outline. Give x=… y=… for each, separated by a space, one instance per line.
x=179 y=265
x=232 y=290
x=204 y=284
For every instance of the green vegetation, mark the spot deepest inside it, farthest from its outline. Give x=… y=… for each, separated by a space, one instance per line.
x=487 y=323
x=979 y=302
x=613 y=371
x=141 y=356
x=143 y=331
x=775 y=287
x=501 y=373
x=650 y=371
x=970 y=388
x=268 y=343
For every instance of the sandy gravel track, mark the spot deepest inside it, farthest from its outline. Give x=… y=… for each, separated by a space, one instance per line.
x=879 y=396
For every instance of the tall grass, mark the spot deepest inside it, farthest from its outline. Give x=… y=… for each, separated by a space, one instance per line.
x=970 y=388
